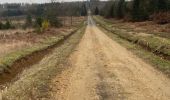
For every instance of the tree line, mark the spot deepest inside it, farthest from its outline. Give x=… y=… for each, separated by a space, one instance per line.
x=138 y=10
x=62 y=9
x=43 y=15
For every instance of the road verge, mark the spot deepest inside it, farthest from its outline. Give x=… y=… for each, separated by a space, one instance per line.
x=14 y=63
x=33 y=83
x=147 y=56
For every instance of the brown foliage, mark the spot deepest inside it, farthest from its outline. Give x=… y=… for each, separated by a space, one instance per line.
x=161 y=17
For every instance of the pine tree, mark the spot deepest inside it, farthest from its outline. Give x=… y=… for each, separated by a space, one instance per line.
x=152 y=6
x=111 y=11
x=136 y=10
x=120 y=8
x=139 y=11
x=7 y=25
x=1 y=25
x=96 y=11
x=168 y=4
x=83 y=10
x=162 y=5
x=39 y=21
x=158 y=6
x=28 y=20
x=51 y=15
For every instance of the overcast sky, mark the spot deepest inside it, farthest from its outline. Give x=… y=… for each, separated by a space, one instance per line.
x=31 y=1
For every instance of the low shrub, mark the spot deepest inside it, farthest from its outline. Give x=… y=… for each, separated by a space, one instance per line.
x=1 y=25
x=45 y=25
x=6 y=25
x=42 y=25
x=39 y=21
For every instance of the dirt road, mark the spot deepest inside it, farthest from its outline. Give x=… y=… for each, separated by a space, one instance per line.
x=101 y=69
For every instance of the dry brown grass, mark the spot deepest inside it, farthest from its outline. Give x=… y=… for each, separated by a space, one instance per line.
x=66 y=21
x=158 y=45
x=6 y=48
x=15 y=39
x=161 y=17
x=149 y=27
x=33 y=83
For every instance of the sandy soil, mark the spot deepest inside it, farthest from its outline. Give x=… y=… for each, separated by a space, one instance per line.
x=101 y=69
